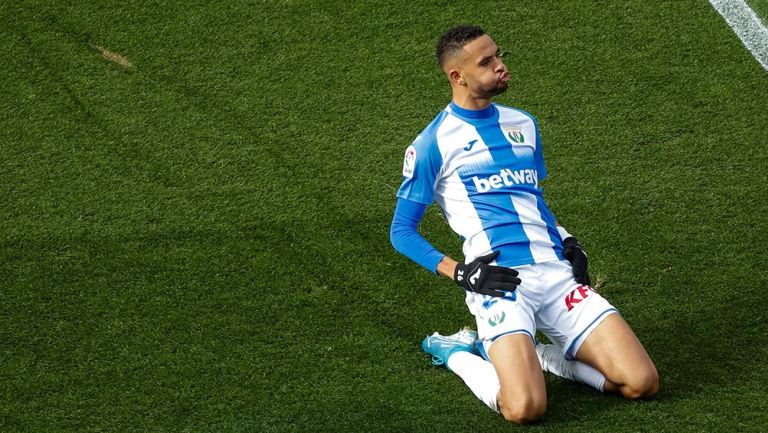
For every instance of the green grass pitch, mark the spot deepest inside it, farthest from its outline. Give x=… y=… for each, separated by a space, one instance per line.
x=195 y=201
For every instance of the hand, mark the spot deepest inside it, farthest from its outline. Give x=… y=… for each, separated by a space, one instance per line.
x=480 y=277
x=574 y=253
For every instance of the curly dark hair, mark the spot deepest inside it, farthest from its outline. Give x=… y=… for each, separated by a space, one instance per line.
x=454 y=39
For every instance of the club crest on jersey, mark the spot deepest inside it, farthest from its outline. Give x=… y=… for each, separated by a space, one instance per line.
x=515 y=133
x=409 y=162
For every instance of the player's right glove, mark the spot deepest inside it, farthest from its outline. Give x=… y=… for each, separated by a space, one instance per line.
x=480 y=277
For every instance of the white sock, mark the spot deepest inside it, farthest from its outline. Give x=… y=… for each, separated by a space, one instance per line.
x=553 y=361
x=478 y=374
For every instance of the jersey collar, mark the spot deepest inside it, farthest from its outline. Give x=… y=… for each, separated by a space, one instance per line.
x=485 y=113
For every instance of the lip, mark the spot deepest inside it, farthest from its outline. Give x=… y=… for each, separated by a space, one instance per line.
x=504 y=77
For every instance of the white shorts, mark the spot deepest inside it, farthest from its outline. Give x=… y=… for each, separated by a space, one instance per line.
x=547 y=299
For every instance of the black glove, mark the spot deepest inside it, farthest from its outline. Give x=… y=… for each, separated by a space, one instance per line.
x=480 y=277
x=574 y=253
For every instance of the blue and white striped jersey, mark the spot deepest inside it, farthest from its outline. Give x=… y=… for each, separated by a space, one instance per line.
x=483 y=169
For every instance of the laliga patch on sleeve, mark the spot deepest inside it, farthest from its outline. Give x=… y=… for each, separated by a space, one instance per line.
x=410 y=161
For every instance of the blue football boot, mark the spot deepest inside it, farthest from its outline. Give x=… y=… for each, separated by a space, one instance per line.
x=443 y=346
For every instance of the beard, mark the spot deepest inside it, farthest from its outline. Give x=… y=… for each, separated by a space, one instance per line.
x=498 y=88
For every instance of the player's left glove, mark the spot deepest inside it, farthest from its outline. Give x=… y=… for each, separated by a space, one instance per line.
x=574 y=253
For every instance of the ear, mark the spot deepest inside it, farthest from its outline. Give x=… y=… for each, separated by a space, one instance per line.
x=455 y=77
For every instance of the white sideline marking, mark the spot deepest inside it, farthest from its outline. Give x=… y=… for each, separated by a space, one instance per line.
x=747 y=27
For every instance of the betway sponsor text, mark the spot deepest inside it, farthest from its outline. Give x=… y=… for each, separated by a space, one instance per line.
x=506 y=177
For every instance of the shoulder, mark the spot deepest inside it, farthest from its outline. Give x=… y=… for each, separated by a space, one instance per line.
x=514 y=112
x=425 y=145
x=428 y=136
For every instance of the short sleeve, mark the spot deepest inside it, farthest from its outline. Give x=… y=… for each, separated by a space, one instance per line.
x=421 y=167
x=538 y=153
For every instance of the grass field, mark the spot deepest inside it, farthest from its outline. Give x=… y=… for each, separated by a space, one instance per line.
x=760 y=8
x=196 y=199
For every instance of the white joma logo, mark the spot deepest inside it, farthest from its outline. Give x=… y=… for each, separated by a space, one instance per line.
x=475 y=276
x=506 y=177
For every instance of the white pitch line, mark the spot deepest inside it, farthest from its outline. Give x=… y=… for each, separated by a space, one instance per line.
x=747 y=27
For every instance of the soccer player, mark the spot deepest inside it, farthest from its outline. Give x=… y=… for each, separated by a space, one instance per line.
x=482 y=163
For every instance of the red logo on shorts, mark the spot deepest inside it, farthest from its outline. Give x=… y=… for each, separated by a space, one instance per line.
x=577 y=296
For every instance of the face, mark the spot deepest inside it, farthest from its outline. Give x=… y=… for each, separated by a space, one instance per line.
x=480 y=68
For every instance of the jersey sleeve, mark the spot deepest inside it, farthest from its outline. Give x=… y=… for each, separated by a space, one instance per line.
x=421 y=168
x=406 y=239
x=538 y=153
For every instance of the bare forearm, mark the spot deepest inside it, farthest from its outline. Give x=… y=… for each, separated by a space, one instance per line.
x=447 y=267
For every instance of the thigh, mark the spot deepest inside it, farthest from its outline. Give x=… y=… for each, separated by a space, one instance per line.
x=523 y=390
x=571 y=311
x=614 y=349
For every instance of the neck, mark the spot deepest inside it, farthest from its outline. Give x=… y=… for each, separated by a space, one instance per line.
x=469 y=102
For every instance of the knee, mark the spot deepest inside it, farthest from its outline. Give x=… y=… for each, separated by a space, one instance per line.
x=642 y=385
x=523 y=410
